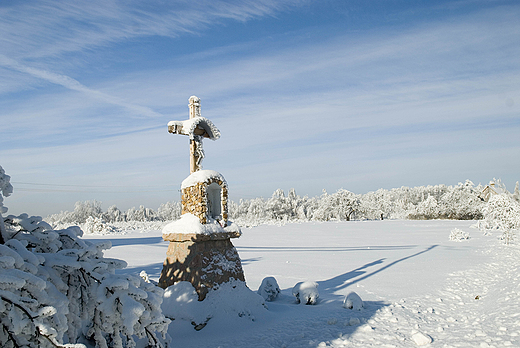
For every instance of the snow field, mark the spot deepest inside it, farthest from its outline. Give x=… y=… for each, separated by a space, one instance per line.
x=418 y=288
x=478 y=307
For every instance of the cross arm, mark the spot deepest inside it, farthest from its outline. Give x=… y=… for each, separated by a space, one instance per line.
x=178 y=129
x=200 y=126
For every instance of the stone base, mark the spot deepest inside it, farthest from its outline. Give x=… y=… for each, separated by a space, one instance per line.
x=203 y=263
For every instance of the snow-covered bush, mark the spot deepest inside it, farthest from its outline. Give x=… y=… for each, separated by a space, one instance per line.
x=353 y=301
x=57 y=290
x=269 y=289
x=96 y=225
x=31 y=309
x=181 y=302
x=306 y=292
x=60 y=288
x=458 y=235
x=502 y=213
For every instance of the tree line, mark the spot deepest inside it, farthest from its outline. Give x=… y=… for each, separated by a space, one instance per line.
x=459 y=202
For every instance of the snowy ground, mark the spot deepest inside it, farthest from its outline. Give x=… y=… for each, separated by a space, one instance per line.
x=417 y=286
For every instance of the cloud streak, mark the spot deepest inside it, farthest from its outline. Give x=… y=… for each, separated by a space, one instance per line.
x=75 y=85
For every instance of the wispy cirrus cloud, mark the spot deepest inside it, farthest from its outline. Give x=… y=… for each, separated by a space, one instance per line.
x=40 y=38
x=51 y=28
x=75 y=85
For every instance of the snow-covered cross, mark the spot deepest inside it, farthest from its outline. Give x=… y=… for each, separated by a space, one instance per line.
x=197 y=128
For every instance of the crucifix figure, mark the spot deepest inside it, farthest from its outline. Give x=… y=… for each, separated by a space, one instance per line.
x=197 y=128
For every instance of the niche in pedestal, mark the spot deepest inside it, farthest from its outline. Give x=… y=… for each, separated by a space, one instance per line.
x=205 y=195
x=214 y=201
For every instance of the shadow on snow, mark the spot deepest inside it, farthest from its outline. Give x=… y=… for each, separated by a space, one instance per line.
x=130 y=241
x=328 y=320
x=344 y=280
x=335 y=249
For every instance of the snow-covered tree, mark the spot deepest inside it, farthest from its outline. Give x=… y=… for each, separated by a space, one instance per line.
x=460 y=202
x=5 y=190
x=57 y=289
x=427 y=209
x=249 y=212
x=285 y=208
x=516 y=193
x=82 y=211
x=502 y=213
x=141 y=214
x=169 y=211
x=113 y=214
x=337 y=206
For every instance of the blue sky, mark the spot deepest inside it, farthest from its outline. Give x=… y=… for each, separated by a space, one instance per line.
x=309 y=95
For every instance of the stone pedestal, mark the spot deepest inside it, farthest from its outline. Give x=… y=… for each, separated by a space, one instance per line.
x=204 y=260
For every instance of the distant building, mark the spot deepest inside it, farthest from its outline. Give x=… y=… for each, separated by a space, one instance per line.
x=495 y=187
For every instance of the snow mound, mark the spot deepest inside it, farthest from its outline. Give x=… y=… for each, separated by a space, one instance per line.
x=269 y=289
x=353 y=301
x=458 y=235
x=353 y=322
x=228 y=304
x=421 y=339
x=306 y=292
x=180 y=301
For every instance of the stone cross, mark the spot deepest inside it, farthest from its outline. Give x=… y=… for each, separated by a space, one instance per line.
x=200 y=249
x=197 y=128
